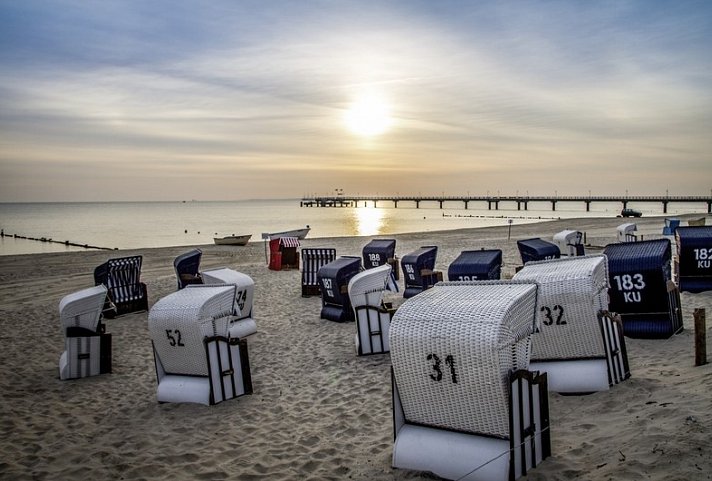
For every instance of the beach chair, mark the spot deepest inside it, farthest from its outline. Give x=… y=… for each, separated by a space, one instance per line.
x=465 y=404
x=693 y=269
x=87 y=347
x=242 y=322
x=122 y=278
x=626 y=232
x=373 y=316
x=642 y=291
x=418 y=270
x=334 y=280
x=570 y=243
x=671 y=226
x=283 y=253
x=187 y=267
x=313 y=258
x=379 y=252
x=537 y=250
x=197 y=361
x=476 y=265
x=581 y=349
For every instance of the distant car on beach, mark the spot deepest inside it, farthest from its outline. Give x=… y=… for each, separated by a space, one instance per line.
x=630 y=213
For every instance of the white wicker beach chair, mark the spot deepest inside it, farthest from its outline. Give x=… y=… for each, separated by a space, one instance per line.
x=242 y=324
x=581 y=350
x=196 y=358
x=570 y=242
x=87 y=347
x=465 y=405
x=626 y=232
x=373 y=317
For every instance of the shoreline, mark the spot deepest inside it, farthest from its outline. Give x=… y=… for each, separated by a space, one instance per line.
x=318 y=411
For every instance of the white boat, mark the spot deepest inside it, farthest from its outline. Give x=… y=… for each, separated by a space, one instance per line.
x=298 y=233
x=232 y=240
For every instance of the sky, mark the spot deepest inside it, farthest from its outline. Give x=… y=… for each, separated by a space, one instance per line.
x=239 y=99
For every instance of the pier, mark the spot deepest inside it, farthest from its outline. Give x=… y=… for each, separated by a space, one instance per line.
x=493 y=201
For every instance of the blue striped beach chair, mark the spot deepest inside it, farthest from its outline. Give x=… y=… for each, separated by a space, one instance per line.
x=122 y=278
x=313 y=259
x=187 y=267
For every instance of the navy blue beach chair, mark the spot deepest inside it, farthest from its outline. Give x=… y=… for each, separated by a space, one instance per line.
x=379 y=252
x=476 y=265
x=641 y=289
x=537 y=250
x=694 y=254
x=333 y=281
x=187 y=267
x=418 y=270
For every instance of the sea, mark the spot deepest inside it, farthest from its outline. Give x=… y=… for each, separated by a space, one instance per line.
x=69 y=226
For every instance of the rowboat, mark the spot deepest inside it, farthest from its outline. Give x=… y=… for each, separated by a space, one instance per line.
x=298 y=233
x=697 y=222
x=232 y=240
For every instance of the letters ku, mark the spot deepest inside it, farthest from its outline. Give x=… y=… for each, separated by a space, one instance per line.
x=630 y=285
x=703 y=257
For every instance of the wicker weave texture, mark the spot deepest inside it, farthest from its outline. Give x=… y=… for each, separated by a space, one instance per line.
x=176 y=325
x=452 y=349
x=245 y=288
x=367 y=287
x=83 y=308
x=571 y=293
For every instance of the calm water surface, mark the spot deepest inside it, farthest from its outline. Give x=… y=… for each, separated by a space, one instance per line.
x=129 y=225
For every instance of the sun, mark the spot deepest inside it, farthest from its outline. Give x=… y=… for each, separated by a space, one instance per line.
x=368 y=116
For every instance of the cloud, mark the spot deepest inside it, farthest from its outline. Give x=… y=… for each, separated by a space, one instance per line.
x=481 y=94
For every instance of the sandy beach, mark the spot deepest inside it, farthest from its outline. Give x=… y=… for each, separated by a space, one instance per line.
x=318 y=411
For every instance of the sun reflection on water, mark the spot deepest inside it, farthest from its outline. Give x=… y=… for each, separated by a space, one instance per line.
x=368 y=221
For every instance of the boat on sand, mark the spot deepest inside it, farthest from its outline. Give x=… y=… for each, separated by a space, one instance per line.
x=232 y=240
x=298 y=233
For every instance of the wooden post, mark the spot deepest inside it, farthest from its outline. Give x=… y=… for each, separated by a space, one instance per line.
x=700 y=337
